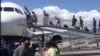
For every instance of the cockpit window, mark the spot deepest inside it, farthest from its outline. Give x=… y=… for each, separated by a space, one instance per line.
x=8 y=9
x=18 y=11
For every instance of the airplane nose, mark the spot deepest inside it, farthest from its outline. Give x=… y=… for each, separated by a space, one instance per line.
x=9 y=24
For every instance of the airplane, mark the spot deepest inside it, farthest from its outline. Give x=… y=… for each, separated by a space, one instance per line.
x=13 y=16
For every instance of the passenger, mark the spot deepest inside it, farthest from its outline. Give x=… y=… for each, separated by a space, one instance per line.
x=34 y=17
x=51 y=49
x=74 y=20
x=21 y=50
x=94 y=25
x=58 y=21
x=81 y=22
x=29 y=22
x=45 y=18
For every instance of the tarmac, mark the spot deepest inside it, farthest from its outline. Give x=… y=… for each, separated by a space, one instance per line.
x=86 y=48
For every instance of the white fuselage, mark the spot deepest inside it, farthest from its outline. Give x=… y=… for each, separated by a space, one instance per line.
x=12 y=15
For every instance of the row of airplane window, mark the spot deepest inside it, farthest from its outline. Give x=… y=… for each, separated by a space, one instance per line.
x=10 y=9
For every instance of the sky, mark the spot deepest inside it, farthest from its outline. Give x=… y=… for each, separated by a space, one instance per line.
x=71 y=5
x=64 y=9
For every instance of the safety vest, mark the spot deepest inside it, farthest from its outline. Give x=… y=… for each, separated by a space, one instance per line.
x=52 y=50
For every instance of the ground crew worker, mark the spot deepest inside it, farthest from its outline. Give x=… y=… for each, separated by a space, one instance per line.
x=51 y=50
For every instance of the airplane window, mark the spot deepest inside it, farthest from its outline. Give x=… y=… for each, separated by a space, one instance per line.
x=8 y=9
x=0 y=8
x=17 y=10
x=20 y=11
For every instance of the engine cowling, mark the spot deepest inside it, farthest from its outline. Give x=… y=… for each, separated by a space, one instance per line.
x=57 y=38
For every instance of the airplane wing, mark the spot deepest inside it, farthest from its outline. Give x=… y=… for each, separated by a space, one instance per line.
x=68 y=32
x=39 y=32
